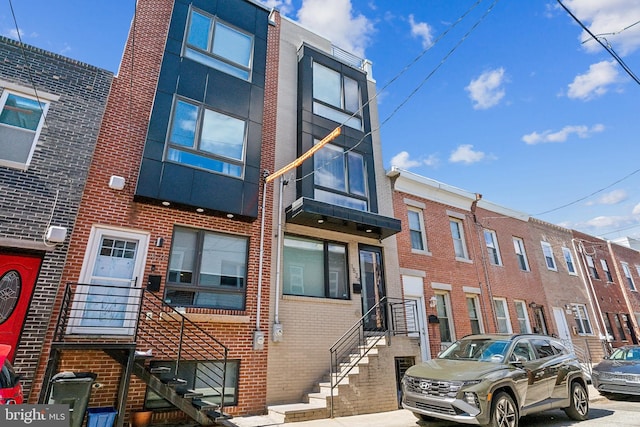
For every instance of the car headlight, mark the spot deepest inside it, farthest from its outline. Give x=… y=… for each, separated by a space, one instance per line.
x=471 y=398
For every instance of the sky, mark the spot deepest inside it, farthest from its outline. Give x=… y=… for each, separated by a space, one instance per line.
x=511 y=99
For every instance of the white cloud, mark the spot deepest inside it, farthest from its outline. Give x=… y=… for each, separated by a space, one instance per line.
x=611 y=198
x=421 y=30
x=595 y=82
x=562 y=135
x=487 y=90
x=609 y=19
x=403 y=160
x=13 y=33
x=465 y=154
x=636 y=209
x=607 y=222
x=334 y=19
x=284 y=6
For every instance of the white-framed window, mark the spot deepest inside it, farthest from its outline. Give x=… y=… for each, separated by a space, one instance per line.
x=314 y=268
x=627 y=275
x=340 y=177
x=457 y=234
x=473 y=307
x=592 y=267
x=416 y=229
x=605 y=268
x=523 y=318
x=568 y=259
x=583 y=324
x=207 y=269
x=206 y=139
x=21 y=120
x=549 y=259
x=521 y=254
x=502 y=315
x=443 y=307
x=491 y=240
x=336 y=96
x=218 y=45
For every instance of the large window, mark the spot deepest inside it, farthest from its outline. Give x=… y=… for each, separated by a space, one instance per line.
x=457 y=234
x=315 y=268
x=523 y=318
x=619 y=325
x=443 y=307
x=491 y=240
x=550 y=260
x=21 y=119
x=340 y=177
x=502 y=315
x=207 y=270
x=201 y=376
x=592 y=267
x=518 y=245
x=627 y=275
x=218 y=45
x=207 y=139
x=336 y=96
x=582 y=320
x=416 y=229
x=473 y=307
x=568 y=258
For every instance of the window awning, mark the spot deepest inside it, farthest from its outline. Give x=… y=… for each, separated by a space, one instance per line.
x=313 y=213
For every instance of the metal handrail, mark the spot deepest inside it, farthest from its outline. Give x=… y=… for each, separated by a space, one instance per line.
x=107 y=312
x=359 y=339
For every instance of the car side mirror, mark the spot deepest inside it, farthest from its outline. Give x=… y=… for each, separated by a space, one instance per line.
x=517 y=361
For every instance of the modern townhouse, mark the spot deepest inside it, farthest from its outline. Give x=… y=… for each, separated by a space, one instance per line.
x=45 y=150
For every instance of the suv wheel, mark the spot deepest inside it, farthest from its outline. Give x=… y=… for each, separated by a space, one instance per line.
x=579 y=408
x=503 y=411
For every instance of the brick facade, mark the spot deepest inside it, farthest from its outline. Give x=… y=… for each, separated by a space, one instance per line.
x=48 y=192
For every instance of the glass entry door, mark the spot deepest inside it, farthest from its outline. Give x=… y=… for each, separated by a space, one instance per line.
x=373 y=288
x=107 y=300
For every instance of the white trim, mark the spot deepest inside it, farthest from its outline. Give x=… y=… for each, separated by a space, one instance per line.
x=441 y=286
x=28 y=91
x=471 y=290
x=414 y=203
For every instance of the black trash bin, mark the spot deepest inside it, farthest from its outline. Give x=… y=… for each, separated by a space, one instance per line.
x=73 y=389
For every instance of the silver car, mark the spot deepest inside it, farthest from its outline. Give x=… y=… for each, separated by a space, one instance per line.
x=619 y=373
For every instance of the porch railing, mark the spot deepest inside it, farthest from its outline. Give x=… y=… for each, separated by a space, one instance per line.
x=105 y=313
x=387 y=318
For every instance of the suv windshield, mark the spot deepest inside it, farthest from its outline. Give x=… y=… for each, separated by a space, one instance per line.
x=480 y=349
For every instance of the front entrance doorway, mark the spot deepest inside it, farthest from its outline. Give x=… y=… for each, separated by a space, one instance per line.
x=373 y=288
x=107 y=298
x=18 y=274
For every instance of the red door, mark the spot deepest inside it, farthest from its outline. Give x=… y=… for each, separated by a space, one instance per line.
x=18 y=274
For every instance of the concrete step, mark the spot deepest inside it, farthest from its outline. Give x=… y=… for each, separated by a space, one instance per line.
x=298 y=412
x=318 y=398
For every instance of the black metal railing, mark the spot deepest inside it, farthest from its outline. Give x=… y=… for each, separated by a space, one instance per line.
x=92 y=312
x=388 y=317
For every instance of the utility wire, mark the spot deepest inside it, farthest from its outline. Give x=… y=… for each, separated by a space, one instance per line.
x=606 y=46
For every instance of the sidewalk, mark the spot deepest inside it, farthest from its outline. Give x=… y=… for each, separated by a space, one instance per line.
x=399 y=418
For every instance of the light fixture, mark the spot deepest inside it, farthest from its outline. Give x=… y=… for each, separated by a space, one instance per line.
x=166 y=203
x=230 y=215
x=116 y=182
x=56 y=234
x=199 y=210
x=433 y=301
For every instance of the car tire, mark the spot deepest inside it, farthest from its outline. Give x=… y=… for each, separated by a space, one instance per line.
x=579 y=407
x=504 y=412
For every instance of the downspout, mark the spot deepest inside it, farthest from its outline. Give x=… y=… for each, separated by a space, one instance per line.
x=258 y=335
x=483 y=254
x=591 y=292
x=279 y=242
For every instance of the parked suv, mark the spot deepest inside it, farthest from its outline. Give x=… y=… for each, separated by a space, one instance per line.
x=495 y=379
x=10 y=386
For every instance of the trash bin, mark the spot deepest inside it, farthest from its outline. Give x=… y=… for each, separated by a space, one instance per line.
x=101 y=417
x=73 y=389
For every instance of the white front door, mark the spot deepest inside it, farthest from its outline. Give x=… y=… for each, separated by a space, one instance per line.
x=414 y=290
x=107 y=300
x=561 y=323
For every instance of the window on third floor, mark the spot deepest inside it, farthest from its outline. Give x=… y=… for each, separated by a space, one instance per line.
x=521 y=254
x=336 y=96
x=21 y=119
x=218 y=45
x=340 y=177
x=605 y=268
x=416 y=229
x=627 y=275
x=549 y=259
x=491 y=240
x=592 y=267
x=457 y=234
x=568 y=258
x=206 y=139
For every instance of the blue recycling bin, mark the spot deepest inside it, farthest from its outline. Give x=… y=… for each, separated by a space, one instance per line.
x=101 y=417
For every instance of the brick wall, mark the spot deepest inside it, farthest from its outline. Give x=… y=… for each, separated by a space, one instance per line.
x=50 y=189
